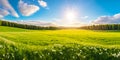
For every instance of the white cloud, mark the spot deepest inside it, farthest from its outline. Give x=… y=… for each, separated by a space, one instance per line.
x=108 y=19
x=1 y=16
x=6 y=5
x=42 y=3
x=37 y=23
x=27 y=9
x=85 y=17
x=3 y=13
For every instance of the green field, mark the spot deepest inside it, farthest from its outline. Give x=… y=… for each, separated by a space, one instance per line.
x=68 y=44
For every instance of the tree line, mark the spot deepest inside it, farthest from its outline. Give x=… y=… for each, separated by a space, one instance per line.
x=102 y=27
x=25 y=26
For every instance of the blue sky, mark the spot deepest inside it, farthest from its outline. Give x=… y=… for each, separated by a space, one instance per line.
x=87 y=11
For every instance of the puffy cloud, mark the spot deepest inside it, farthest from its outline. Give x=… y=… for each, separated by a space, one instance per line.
x=27 y=9
x=108 y=19
x=3 y=13
x=42 y=3
x=85 y=17
x=6 y=5
x=1 y=16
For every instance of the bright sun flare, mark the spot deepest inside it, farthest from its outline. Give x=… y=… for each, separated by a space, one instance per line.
x=70 y=15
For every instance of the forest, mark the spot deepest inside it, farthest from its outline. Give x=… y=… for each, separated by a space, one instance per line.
x=26 y=26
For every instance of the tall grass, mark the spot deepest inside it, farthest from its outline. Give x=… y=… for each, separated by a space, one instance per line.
x=72 y=44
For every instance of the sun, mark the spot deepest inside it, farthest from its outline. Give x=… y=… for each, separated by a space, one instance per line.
x=70 y=15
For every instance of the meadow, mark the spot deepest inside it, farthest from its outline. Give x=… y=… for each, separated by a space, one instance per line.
x=64 y=44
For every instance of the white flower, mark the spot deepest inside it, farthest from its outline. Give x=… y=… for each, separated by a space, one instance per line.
x=53 y=50
x=1 y=46
x=61 y=52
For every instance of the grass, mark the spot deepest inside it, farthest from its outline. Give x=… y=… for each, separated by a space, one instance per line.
x=11 y=29
x=70 y=44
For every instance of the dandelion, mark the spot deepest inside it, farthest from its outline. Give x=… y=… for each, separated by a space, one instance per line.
x=73 y=57
x=91 y=47
x=100 y=49
x=118 y=54
x=16 y=49
x=84 y=56
x=100 y=53
x=3 y=55
x=12 y=54
x=78 y=54
x=114 y=54
x=58 y=45
x=40 y=56
x=61 y=52
x=72 y=49
x=48 y=53
x=35 y=52
x=80 y=50
x=84 y=47
x=24 y=59
x=105 y=49
x=53 y=50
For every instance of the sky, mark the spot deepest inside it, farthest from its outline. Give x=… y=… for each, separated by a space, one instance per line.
x=61 y=12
